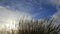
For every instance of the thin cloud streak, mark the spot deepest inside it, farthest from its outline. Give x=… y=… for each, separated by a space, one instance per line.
x=8 y=16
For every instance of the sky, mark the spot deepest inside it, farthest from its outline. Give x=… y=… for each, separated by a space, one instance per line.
x=11 y=10
x=36 y=8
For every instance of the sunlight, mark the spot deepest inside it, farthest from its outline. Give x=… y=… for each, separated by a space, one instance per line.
x=10 y=24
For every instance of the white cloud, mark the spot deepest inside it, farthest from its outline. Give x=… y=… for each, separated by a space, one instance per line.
x=57 y=17
x=57 y=2
x=10 y=16
x=57 y=14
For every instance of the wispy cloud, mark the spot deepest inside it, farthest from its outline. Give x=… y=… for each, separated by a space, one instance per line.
x=57 y=17
x=56 y=2
x=57 y=14
x=8 y=16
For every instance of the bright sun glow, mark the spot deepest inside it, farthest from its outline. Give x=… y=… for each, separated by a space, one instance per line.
x=10 y=24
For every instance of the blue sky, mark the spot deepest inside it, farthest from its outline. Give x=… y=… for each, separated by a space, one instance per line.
x=37 y=8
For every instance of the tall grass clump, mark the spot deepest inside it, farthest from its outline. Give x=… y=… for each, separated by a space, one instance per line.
x=39 y=26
